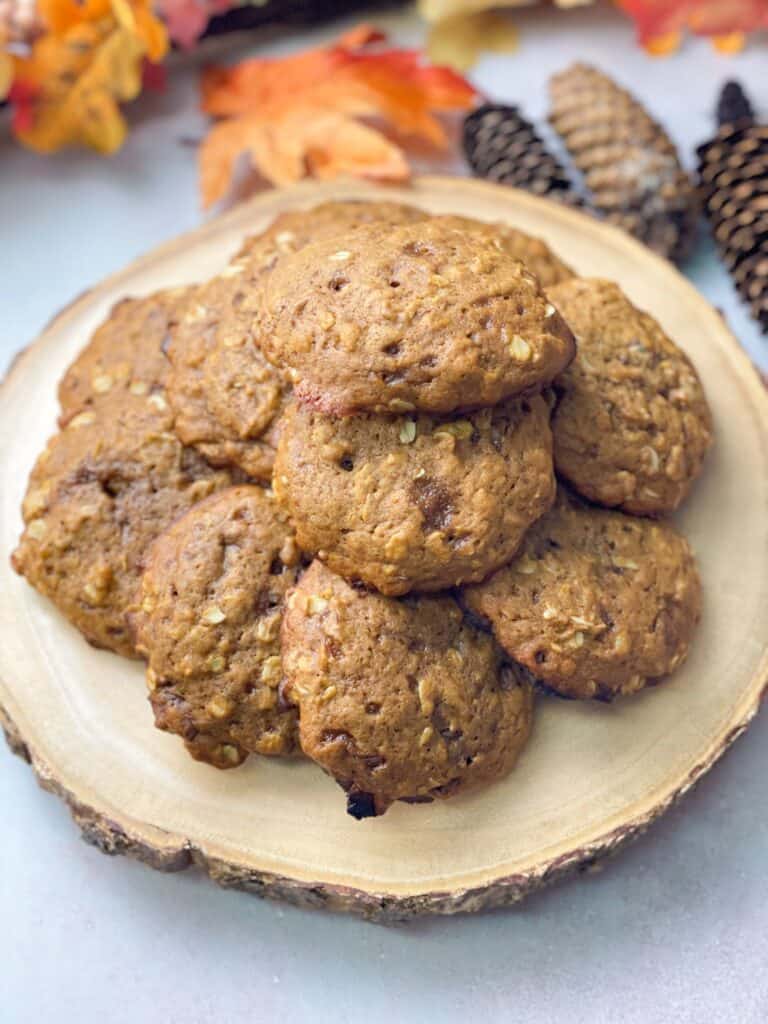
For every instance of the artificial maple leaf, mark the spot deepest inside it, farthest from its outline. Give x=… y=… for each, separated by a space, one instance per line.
x=661 y=24
x=299 y=115
x=89 y=60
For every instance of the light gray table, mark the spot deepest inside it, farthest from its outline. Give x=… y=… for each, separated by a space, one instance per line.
x=675 y=930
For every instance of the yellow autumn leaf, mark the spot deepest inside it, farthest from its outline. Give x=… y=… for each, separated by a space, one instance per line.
x=458 y=42
x=87 y=62
x=87 y=76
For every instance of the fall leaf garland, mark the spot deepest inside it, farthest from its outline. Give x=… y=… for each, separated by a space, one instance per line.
x=303 y=114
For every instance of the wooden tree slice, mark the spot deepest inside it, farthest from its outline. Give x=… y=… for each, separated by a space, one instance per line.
x=592 y=777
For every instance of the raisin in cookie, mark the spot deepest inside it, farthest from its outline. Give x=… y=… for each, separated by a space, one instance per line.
x=227 y=397
x=113 y=479
x=398 y=699
x=208 y=620
x=597 y=604
x=416 y=502
x=126 y=352
x=422 y=316
x=632 y=425
x=537 y=256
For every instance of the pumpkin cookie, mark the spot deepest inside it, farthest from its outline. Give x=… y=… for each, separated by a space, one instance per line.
x=103 y=489
x=208 y=620
x=226 y=395
x=423 y=316
x=533 y=252
x=125 y=353
x=415 y=502
x=398 y=700
x=632 y=425
x=597 y=604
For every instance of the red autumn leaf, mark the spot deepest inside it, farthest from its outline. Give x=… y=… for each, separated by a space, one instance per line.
x=154 y=76
x=22 y=96
x=657 y=18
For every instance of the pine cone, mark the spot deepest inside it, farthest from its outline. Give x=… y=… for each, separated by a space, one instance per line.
x=501 y=145
x=630 y=164
x=733 y=176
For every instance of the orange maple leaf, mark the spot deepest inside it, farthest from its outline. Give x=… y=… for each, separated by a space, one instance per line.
x=88 y=60
x=300 y=115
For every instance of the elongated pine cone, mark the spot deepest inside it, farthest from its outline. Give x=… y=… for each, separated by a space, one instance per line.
x=630 y=165
x=502 y=145
x=733 y=173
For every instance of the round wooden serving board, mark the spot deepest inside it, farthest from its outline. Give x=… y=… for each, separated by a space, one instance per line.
x=593 y=775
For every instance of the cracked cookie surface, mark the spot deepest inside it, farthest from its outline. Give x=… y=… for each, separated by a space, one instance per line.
x=208 y=619
x=597 y=603
x=398 y=699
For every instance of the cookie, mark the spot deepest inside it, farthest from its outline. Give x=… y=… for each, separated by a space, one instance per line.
x=227 y=397
x=632 y=424
x=537 y=256
x=103 y=489
x=416 y=502
x=398 y=699
x=422 y=316
x=597 y=604
x=126 y=352
x=295 y=228
x=208 y=620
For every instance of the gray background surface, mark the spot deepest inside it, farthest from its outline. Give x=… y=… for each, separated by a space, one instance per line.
x=676 y=929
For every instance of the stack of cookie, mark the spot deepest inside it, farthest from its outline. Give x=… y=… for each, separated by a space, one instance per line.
x=409 y=385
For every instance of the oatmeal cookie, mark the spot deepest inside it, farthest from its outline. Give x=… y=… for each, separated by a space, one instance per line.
x=398 y=699
x=208 y=620
x=416 y=502
x=291 y=230
x=423 y=316
x=126 y=352
x=597 y=604
x=632 y=425
x=528 y=249
x=113 y=479
x=227 y=397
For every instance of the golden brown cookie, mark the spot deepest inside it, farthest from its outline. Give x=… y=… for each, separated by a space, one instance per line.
x=597 y=604
x=632 y=425
x=208 y=620
x=416 y=502
x=422 y=316
x=398 y=699
x=126 y=352
x=533 y=252
x=103 y=489
x=226 y=395
x=291 y=230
